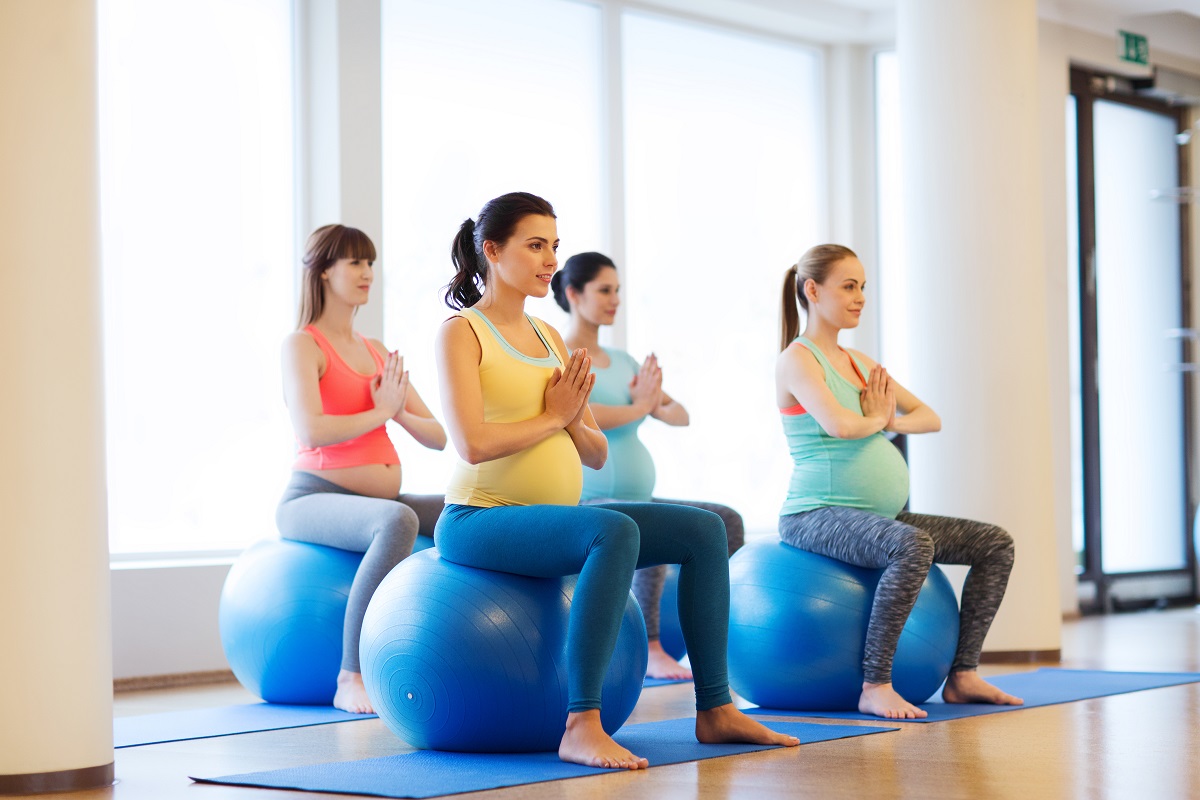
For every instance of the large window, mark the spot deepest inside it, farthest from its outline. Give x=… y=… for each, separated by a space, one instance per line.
x=480 y=99
x=723 y=190
x=196 y=216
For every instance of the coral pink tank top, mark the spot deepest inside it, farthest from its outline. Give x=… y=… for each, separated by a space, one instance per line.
x=347 y=391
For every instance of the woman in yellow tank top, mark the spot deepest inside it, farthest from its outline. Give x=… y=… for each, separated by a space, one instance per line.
x=516 y=408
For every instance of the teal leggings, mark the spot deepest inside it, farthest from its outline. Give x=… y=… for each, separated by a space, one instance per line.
x=604 y=544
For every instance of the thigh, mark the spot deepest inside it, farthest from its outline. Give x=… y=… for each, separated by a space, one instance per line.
x=847 y=534
x=735 y=532
x=539 y=541
x=959 y=541
x=672 y=534
x=346 y=521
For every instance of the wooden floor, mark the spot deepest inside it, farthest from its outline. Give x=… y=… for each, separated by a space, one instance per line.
x=1144 y=745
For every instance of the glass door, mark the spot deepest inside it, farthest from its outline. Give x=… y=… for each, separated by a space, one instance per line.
x=1133 y=348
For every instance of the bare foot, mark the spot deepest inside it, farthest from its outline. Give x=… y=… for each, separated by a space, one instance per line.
x=881 y=700
x=727 y=724
x=965 y=686
x=661 y=665
x=586 y=743
x=351 y=694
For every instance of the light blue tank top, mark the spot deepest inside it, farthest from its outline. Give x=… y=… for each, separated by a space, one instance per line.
x=628 y=474
x=868 y=474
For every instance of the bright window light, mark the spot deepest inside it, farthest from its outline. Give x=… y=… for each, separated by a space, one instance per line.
x=480 y=99
x=723 y=193
x=195 y=104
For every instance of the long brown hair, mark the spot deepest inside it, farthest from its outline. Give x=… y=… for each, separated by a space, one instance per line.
x=816 y=264
x=325 y=246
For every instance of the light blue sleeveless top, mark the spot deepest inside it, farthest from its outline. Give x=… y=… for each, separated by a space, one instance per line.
x=628 y=474
x=868 y=474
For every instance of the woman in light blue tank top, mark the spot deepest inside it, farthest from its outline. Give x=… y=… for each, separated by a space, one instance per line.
x=626 y=393
x=849 y=484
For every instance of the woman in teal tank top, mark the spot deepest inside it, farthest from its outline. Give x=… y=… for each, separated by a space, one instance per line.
x=510 y=388
x=850 y=484
x=626 y=393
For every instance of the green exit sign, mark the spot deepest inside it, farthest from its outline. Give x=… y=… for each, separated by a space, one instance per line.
x=1133 y=47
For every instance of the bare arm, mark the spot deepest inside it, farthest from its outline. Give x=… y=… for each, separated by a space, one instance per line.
x=672 y=412
x=302 y=360
x=477 y=441
x=912 y=416
x=800 y=378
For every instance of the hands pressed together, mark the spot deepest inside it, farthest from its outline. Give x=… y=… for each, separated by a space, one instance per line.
x=645 y=389
x=878 y=398
x=569 y=388
x=389 y=390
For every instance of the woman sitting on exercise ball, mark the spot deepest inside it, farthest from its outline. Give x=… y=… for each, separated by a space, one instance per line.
x=849 y=483
x=625 y=394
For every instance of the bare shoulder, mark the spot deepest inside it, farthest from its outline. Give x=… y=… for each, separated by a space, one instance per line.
x=379 y=347
x=798 y=360
x=456 y=335
x=300 y=344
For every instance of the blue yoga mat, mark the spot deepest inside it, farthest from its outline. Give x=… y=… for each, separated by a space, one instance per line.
x=205 y=723
x=648 y=682
x=1042 y=687
x=428 y=773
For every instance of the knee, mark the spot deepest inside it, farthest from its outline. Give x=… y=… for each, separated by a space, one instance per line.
x=1004 y=549
x=398 y=525
x=915 y=547
x=620 y=533
x=735 y=529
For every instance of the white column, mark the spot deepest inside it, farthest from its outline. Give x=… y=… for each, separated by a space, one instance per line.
x=56 y=654
x=340 y=93
x=977 y=296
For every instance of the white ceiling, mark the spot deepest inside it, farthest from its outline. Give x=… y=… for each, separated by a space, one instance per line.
x=1170 y=25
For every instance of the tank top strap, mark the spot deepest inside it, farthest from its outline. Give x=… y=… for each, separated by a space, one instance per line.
x=379 y=359
x=543 y=332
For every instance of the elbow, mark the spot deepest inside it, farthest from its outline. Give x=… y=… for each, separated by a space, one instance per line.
x=596 y=461
x=936 y=425
x=308 y=439
x=472 y=455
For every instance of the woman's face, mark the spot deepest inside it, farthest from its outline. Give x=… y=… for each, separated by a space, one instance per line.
x=528 y=260
x=840 y=300
x=349 y=280
x=598 y=301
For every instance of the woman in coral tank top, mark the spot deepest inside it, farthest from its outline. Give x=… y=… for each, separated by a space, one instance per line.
x=341 y=389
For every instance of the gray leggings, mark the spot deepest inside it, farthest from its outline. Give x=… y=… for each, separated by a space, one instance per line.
x=904 y=548
x=648 y=582
x=317 y=511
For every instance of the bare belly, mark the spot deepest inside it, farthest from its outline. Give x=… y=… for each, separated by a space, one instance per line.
x=370 y=480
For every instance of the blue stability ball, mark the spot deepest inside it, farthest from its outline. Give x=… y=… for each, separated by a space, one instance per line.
x=798 y=625
x=670 y=634
x=422 y=543
x=282 y=611
x=471 y=660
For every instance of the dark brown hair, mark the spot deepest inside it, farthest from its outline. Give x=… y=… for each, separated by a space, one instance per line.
x=578 y=271
x=816 y=264
x=325 y=246
x=497 y=221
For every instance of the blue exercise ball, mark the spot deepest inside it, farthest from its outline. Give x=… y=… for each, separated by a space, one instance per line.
x=422 y=543
x=283 y=608
x=798 y=627
x=470 y=660
x=670 y=634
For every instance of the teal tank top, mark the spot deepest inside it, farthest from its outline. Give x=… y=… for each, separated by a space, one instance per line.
x=628 y=474
x=868 y=474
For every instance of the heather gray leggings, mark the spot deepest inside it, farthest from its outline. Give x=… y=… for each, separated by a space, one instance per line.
x=904 y=548
x=317 y=511
x=648 y=582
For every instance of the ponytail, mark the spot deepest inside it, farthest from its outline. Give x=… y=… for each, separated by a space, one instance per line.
x=790 y=315
x=560 y=291
x=470 y=269
x=496 y=223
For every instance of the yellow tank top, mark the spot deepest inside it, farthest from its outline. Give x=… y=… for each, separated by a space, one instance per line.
x=514 y=390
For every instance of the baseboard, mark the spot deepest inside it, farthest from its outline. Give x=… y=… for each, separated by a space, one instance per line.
x=172 y=681
x=1021 y=657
